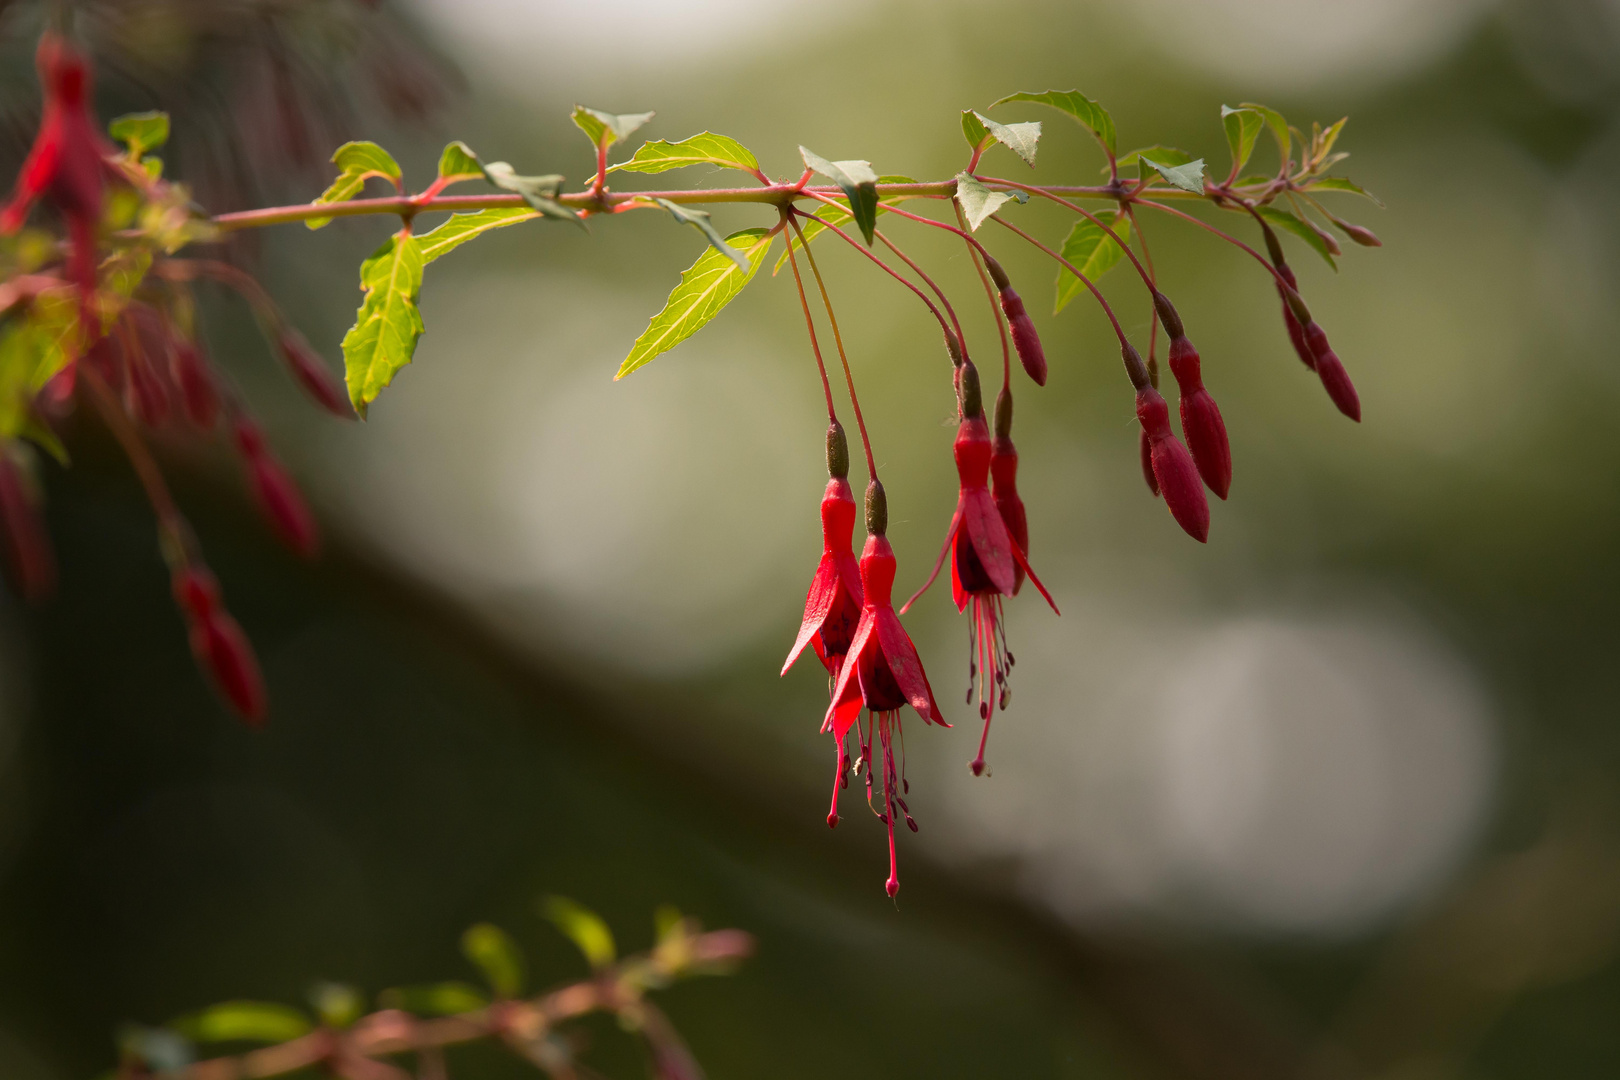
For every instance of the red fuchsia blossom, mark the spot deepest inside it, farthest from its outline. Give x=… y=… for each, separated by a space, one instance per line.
x=833 y=605
x=29 y=561
x=1173 y=467
x=276 y=492
x=218 y=644
x=1004 y=485
x=984 y=561
x=1201 y=419
x=1025 y=340
x=67 y=162
x=882 y=674
x=311 y=373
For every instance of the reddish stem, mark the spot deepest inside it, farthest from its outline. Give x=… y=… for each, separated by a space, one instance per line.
x=960 y=337
x=995 y=306
x=1119 y=331
x=810 y=325
x=1261 y=259
x=1083 y=212
x=887 y=269
x=838 y=339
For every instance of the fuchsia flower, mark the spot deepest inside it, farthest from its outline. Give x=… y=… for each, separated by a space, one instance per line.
x=1201 y=420
x=313 y=375
x=276 y=492
x=833 y=605
x=1004 y=486
x=67 y=162
x=218 y=644
x=1173 y=468
x=985 y=558
x=883 y=674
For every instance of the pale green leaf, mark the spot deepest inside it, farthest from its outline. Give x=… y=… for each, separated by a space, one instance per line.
x=1091 y=252
x=858 y=182
x=699 y=219
x=357 y=162
x=1324 y=142
x=243 y=1021
x=604 y=129
x=494 y=953
x=1164 y=155
x=707 y=286
x=1277 y=123
x=1339 y=183
x=1285 y=220
x=583 y=927
x=141 y=131
x=1021 y=139
x=337 y=1004
x=973 y=130
x=1188 y=177
x=539 y=192
x=704 y=148
x=979 y=202
x=437 y=999
x=458 y=162
x=1242 y=129
x=464 y=227
x=388 y=324
x=1092 y=116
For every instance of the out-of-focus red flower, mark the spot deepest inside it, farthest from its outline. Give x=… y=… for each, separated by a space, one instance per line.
x=192 y=375
x=30 y=563
x=282 y=502
x=220 y=647
x=311 y=373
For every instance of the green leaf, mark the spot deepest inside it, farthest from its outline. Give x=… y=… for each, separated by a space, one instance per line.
x=700 y=220
x=859 y=184
x=583 y=927
x=1277 y=123
x=357 y=162
x=704 y=148
x=1339 y=183
x=140 y=131
x=497 y=956
x=539 y=192
x=836 y=214
x=464 y=227
x=707 y=286
x=388 y=324
x=1324 y=143
x=458 y=162
x=973 y=130
x=1242 y=129
x=1021 y=139
x=337 y=1004
x=1285 y=220
x=605 y=129
x=1164 y=155
x=1092 y=116
x=24 y=352
x=437 y=999
x=243 y=1021
x=1091 y=252
x=1188 y=177
x=979 y=202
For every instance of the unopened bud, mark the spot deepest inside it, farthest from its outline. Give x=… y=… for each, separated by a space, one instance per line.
x=1201 y=419
x=279 y=497
x=1168 y=315
x=837 y=451
x=1328 y=238
x=1146 y=447
x=1134 y=368
x=197 y=390
x=311 y=373
x=969 y=396
x=1004 y=413
x=1173 y=466
x=1331 y=370
x=1025 y=340
x=223 y=652
x=196 y=590
x=997 y=274
x=30 y=563
x=1360 y=234
x=954 y=347
x=877 y=509
x=1296 y=331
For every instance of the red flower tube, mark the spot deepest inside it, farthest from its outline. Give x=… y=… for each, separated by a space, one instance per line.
x=833 y=605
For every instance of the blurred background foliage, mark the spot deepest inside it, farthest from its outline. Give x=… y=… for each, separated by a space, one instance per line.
x=1334 y=795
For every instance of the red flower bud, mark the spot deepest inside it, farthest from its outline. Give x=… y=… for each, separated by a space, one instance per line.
x=1173 y=467
x=198 y=393
x=223 y=652
x=29 y=561
x=1360 y=234
x=1296 y=332
x=314 y=376
x=1146 y=446
x=1025 y=340
x=1201 y=420
x=277 y=493
x=196 y=590
x=1328 y=239
x=1334 y=378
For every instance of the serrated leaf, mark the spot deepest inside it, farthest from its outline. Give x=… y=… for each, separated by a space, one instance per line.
x=706 y=287
x=1188 y=177
x=1324 y=143
x=1092 y=116
x=494 y=953
x=464 y=227
x=1021 y=139
x=1339 y=183
x=1164 y=155
x=583 y=927
x=858 y=183
x=388 y=324
x=973 y=130
x=1285 y=220
x=1242 y=129
x=539 y=192
x=699 y=219
x=357 y=162
x=140 y=131
x=979 y=202
x=1091 y=252
x=704 y=148
x=243 y=1021
x=604 y=129
x=458 y=162
x=836 y=214
x=1277 y=123
x=436 y=999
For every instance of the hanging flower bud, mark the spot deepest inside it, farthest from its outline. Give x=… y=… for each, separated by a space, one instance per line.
x=833 y=605
x=311 y=373
x=30 y=563
x=1173 y=467
x=1360 y=234
x=1025 y=340
x=276 y=492
x=198 y=394
x=1330 y=241
x=1334 y=377
x=1004 y=483
x=1201 y=419
x=1146 y=448
x=218 y=644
